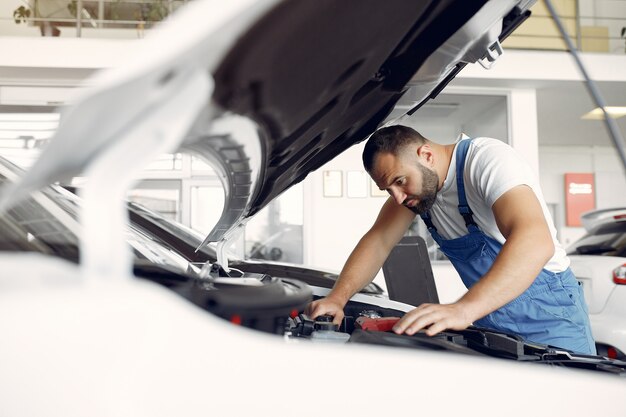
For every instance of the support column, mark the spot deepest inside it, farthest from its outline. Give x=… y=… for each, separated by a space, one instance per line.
x=523 y=124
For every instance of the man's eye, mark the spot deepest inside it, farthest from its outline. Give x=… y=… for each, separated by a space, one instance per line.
x=400 y=181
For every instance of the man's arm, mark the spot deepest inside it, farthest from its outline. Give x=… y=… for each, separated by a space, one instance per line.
x=365 y=260
x=527 y=249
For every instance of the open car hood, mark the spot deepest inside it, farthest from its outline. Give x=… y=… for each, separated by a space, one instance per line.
x=272 y=90
x=314 y=83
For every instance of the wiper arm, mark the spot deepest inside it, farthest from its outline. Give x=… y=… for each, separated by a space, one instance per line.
x=511 y=346
x=500 y=344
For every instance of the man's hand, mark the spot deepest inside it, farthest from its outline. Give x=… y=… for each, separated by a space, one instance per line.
x=326 y=306
x=434 y=318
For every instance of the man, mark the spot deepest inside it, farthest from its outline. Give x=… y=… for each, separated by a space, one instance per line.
x=484 y=207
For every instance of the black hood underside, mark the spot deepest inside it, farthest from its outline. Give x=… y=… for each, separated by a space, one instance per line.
x=319 y=76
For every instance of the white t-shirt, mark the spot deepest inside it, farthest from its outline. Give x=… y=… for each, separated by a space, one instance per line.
x=491 y=168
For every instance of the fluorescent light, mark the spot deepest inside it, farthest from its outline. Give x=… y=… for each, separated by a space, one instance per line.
x=598 y=114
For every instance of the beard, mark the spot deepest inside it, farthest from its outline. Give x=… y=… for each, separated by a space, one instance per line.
x=430 y=182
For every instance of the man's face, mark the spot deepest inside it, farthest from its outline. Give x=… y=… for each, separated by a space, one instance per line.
x=406 y=179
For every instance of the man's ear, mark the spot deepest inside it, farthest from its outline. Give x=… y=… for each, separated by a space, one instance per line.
x=425 y=153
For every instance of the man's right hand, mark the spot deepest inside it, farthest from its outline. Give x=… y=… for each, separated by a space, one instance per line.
x=328 y=306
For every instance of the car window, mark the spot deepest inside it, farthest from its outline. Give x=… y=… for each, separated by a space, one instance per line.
x=608 y=240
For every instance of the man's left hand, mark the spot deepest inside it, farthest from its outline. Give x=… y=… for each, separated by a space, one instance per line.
x=434 y=318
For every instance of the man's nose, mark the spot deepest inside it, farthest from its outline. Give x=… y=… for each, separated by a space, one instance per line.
x=397 y=195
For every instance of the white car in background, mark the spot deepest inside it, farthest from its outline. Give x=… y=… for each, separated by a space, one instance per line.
x=599 y=263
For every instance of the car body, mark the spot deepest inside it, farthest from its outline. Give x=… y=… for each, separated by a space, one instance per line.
x=598 y=259
x=268 y=91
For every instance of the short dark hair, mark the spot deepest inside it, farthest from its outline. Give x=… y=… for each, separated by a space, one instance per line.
x=391 y=140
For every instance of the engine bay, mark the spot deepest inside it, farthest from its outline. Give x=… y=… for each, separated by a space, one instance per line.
x=277 y=305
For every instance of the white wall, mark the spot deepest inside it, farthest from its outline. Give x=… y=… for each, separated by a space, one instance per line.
x=334 y=225
x=493 y=123
x=48 y=53
x=524 y=133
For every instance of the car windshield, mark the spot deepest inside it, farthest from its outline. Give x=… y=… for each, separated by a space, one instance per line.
x=29 y=226
x=607 y=240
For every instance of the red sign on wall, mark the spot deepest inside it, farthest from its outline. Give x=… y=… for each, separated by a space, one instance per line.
x=580 y=196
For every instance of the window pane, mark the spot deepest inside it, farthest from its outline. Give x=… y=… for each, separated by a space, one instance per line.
x=166 y=162
x=162 y=196
x=275 y=233
x=207 y=203
x=198 y=165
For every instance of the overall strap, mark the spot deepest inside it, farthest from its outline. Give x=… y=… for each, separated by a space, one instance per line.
x=429 y=222
x=464 y=208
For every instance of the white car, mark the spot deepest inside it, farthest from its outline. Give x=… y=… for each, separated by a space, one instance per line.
x=599 y=263
x=268 y=91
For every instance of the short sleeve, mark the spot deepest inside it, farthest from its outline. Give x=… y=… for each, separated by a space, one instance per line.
x=495 y=168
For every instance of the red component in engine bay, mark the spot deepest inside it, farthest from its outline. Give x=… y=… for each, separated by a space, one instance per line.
x=381 y=324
